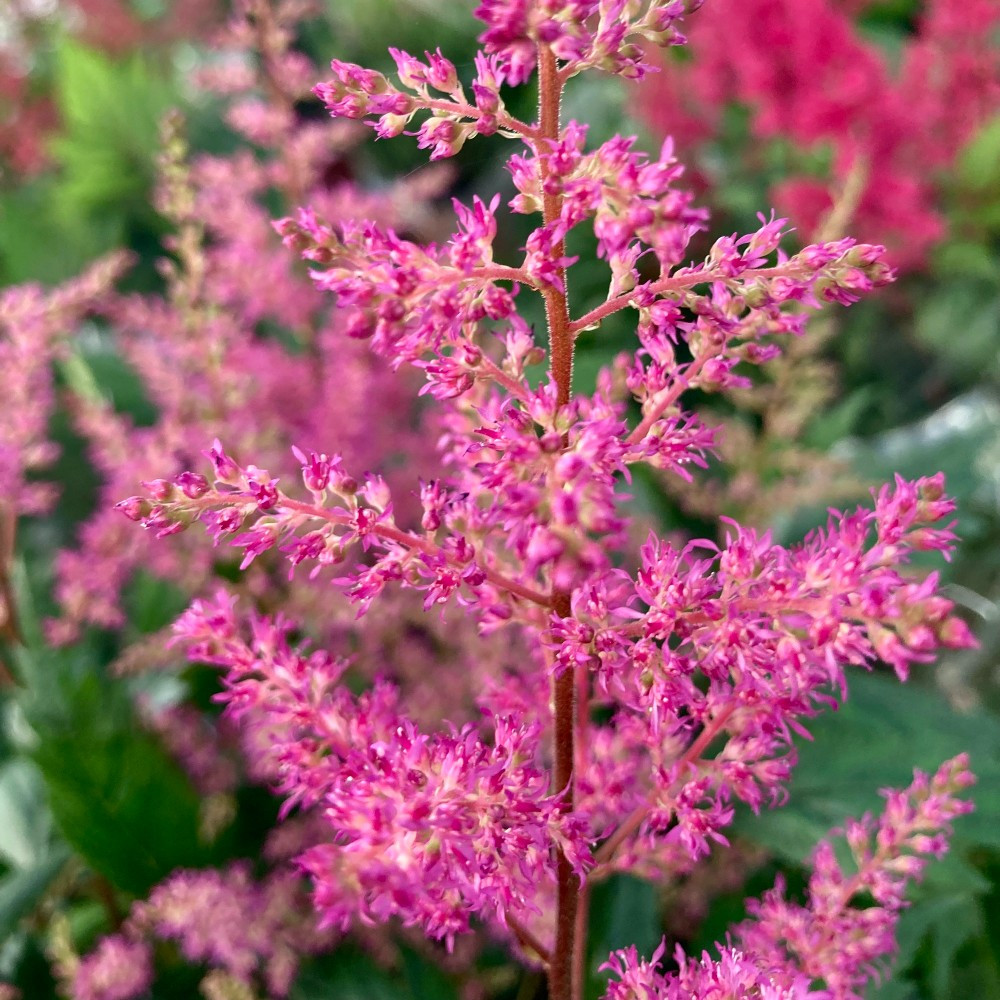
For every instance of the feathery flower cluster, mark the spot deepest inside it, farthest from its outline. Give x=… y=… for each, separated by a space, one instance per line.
x=658 y=687
x=35 y=330
x=208 y=914
x=240 y=339
x=414 y=819
x=807 y=74
x=785 y=948
x=769 y=628
x=585 y=34
x=117 y=969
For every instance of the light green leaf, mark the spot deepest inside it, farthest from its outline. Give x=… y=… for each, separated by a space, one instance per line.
x=25 y=822
x=21 y=891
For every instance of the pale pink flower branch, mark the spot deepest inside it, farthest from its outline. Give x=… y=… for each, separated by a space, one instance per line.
x=608 y=35
x=840 y=271
x=257 y=931
x=432 y=828
x=828 y=937
x=35 y=330
x=366 y=95
x=412 y=301
x=278 y=521
x=771 y=630
x=787 y=949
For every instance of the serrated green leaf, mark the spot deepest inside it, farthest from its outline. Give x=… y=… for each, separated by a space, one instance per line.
x=115 y=795
x=874 y=741
x=111 y=112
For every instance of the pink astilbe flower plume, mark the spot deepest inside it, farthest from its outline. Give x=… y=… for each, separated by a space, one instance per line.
x=117 y=969
x=894 y=125
x=36 y=329
x=255 y=931
x=787 y=948
x=642 y=694
x=205 y=351
x=434 y=828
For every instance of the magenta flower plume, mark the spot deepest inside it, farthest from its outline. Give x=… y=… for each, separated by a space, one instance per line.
x=645 y=689
x=117 y=969
x=434 y=829
x=786 y=948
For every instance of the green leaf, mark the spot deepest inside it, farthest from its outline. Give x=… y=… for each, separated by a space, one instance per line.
x=978 y=167
x=111 y=113
x=25 y=821
x=623 y=911
x=893 y=989
x=115 y=795
x=966 y=260
x=347 y=974
x=961 y=322
x=21 y=891
x=883 y=731
x=96 y=370
x=840 y=419
x=426 y=981
x=40 y=241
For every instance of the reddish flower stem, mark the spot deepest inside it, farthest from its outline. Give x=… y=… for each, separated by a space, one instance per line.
x=579 y=970
x=527 y=939
x=567 y=935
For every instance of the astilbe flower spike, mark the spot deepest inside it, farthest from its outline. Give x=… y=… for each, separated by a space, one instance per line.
x=206 y=913
x=117 y=969
x=785 y=948
x=205 y=350
x=805 y=71
x=433 y=828
x=653 y=689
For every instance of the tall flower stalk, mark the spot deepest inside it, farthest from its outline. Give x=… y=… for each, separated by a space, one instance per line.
x=658 y=687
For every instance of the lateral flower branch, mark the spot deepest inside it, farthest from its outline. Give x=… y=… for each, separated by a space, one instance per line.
x=661 y=686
